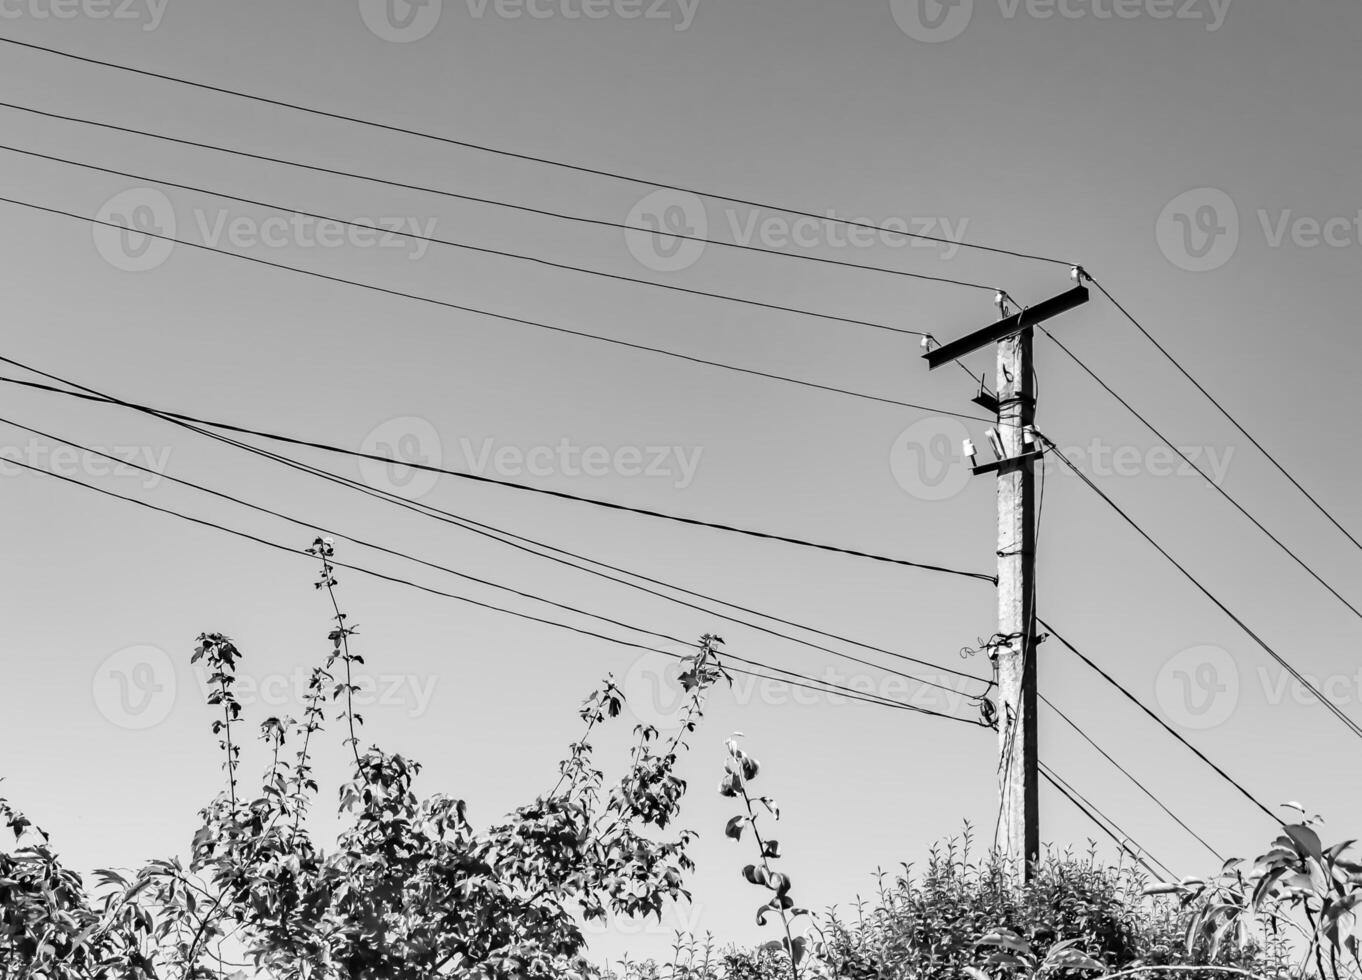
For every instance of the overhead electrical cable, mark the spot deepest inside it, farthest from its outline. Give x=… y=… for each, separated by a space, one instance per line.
x=318 y=528
x=1278 y=658
x=1122 y=839
x=801 y=256
x=810 y=683
x=546 y=161
x=494 y=315
x=523 y=543
x=92 y=395
x=1225 y=412
x=1153 y=716
x=1203 y=474
x=1125 y=772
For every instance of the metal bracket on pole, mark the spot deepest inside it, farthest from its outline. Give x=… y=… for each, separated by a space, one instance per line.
x=1007 y=465
x=1006 y=327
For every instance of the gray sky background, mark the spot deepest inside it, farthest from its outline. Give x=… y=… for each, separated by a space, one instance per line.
x=1075 y=135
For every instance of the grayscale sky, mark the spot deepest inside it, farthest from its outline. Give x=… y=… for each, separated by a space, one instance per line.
x=1199 y=159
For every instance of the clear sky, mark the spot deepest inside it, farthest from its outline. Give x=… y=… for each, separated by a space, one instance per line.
x=1072 y=130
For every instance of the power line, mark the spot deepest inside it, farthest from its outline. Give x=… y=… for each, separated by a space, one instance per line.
x=1280 y=660
x=1225 y=412
x=91 y=395
x=510 y=539
x=1159 y=721
x=803 y=257
x=542 y=212
x=465 y=144
x=1202 y=473
x=497 y=316
x=321 y=530
x=826 y=687
x=1124 y=841
x=1125 y=772
x=311 y=526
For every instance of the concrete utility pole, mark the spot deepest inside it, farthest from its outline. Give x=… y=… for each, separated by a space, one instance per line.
x=1018 y=837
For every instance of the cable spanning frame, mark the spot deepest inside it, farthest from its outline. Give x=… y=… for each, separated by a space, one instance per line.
x=1202 y=473
x=799 y=256
x=827 y=687
x=91 y=395
x=1225 y=412
x=1125 y=772
x=1281 y=661
x=451 y=571
x=1124 y=841
x=539 y=325
x=529 y=158
x=1153 y=716
x=520 y=542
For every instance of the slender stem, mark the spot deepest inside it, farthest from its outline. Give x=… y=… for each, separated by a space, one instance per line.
x=227 y=731
x=766 y=866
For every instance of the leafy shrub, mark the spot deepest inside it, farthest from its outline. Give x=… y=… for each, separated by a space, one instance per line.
x=930 y=924
x=410 y=890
